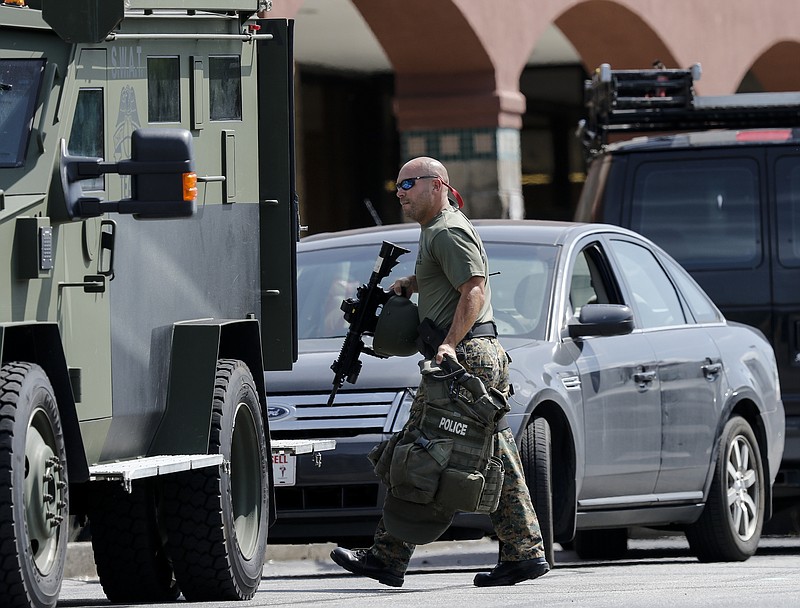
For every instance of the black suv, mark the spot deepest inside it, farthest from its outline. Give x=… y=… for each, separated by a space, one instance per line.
x=722 y=196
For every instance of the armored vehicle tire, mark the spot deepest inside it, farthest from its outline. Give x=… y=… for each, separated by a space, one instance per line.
x=611 y=543
x=730 y=526
x=536 y=453
x=131 y=562
x=216 y=519
x=34 y=500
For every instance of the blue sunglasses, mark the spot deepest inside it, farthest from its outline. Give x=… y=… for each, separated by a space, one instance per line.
x=409 y=182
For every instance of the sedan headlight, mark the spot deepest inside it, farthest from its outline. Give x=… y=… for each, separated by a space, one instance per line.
x=404 y=409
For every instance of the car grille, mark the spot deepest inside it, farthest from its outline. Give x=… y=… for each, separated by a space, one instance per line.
x=307 y=416
x=303 y=498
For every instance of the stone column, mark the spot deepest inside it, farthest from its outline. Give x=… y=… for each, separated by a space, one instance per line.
x=457 y=67
x=483 y=163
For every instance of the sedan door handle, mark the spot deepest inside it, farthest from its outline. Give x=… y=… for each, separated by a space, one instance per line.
x=643 y=378
x=711 y=370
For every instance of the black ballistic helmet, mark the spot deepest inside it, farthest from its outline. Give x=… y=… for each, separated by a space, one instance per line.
x=396 y=329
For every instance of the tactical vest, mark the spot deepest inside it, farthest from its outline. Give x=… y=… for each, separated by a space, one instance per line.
x=446 y=460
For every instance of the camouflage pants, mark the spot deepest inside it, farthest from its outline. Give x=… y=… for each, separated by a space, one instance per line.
x=514 y=520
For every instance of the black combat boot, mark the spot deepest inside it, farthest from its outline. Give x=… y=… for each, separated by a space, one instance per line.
x=511 y=573
x=362 y=562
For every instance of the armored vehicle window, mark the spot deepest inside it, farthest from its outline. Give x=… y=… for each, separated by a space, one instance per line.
x=703 y=212
x=163 y=89
x=787 y=185
x=87 y=135
x=225 y=88
x=19 y=87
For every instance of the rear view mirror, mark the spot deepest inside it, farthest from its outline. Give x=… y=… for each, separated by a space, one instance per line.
x=161 y=167
x=601 y=320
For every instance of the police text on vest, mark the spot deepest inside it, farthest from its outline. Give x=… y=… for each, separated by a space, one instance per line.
x=451 y=426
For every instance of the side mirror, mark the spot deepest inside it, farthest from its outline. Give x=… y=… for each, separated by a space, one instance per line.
x=601 y=320
x=83 y=20
x=164 y=183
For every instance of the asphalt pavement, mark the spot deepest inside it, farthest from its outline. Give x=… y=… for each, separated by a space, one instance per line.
x=314 y=559
x=657 y=572
x=80 y=558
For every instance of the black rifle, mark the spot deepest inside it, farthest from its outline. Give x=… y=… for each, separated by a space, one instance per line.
x=361 y=314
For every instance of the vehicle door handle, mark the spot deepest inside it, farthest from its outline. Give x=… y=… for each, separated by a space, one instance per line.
x=108 y=239
x=711 y=370
x=643 y=378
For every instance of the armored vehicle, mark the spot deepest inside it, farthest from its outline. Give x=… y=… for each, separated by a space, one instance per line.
x=147 y=234
x=714 y=180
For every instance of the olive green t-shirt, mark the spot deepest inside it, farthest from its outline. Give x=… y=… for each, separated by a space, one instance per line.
x=450 y=253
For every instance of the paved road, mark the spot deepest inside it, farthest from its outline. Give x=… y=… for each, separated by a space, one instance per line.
x=656 y=573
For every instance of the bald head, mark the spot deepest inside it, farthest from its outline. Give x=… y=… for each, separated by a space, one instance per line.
x=424 y=165
x=422 y=196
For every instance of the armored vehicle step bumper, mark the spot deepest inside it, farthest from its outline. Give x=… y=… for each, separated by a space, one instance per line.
x=126 y=471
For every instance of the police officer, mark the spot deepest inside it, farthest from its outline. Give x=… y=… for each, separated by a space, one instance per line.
x=452 y=279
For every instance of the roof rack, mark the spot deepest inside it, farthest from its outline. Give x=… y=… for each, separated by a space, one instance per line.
x=638 y=101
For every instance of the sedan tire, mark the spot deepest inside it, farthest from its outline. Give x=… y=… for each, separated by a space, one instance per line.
x=730 y=527
x=537 y=456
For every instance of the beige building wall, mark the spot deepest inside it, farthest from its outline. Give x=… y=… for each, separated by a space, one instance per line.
x=457 y=66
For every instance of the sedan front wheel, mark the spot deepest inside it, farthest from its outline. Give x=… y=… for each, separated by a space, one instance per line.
x=730 y=527
x=536 y=452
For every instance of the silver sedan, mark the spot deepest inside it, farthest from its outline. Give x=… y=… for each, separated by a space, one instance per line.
x=635 y=403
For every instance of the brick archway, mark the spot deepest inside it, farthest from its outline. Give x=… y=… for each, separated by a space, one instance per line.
x=457 y=66
x=626 y=40
x=726 y=40
x=776 y=68
x=453 y=64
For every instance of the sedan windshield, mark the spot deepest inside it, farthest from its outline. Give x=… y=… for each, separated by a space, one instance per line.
x=521 y=282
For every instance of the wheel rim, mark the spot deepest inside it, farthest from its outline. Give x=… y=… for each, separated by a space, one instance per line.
x=44 y=492
x=246 y=480
x=743 y=488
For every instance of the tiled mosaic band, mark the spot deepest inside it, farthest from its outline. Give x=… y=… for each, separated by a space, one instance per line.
x=455 y=144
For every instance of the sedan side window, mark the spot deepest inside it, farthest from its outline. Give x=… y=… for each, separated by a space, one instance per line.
x=654 y=295
x=582 y=290
x=590 y=282
x=700 y=305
